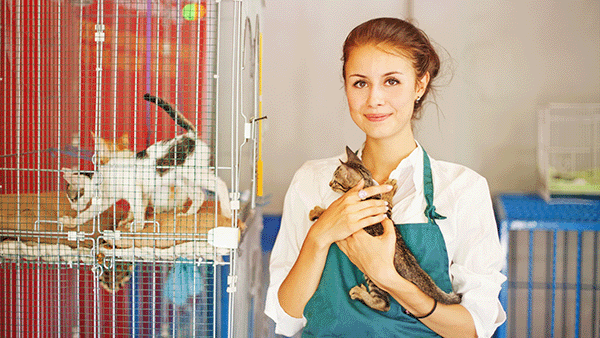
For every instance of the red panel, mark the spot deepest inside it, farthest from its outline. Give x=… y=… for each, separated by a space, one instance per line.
x=61 y=85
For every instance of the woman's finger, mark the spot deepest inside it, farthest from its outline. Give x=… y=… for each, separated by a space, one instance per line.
x=365 y=193
x=388 y=226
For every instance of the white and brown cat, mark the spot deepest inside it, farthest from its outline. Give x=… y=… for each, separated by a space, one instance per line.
x=148 y=177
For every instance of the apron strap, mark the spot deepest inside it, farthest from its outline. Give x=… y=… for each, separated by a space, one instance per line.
x=430 y=212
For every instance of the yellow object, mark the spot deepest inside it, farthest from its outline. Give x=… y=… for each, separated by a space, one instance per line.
x=259 y=162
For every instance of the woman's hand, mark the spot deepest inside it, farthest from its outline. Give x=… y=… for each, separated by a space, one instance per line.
x=345 y=216
x=348 y=214
x=374 y=256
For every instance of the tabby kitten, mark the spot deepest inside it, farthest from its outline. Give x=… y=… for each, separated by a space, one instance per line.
x=348 y=175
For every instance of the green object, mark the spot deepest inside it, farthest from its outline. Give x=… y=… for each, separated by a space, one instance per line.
x=190 y=12
x=574 y=182
x=332 y=313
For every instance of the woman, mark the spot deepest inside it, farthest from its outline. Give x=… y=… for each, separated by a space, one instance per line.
x=388 y=67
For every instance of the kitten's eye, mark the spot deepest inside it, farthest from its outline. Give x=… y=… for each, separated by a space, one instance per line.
x=360 y=84
x=392 y=81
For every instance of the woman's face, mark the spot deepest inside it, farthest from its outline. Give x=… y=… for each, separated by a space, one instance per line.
x=381 y=89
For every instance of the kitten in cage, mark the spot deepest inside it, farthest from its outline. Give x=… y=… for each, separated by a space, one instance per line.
x=165 y=199
x=181 y=162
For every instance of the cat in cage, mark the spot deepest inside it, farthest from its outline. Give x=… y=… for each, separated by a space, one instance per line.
x=179 y=165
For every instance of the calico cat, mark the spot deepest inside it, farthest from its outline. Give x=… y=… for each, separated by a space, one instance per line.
x=346 y=176
x=107 y=149
x=165 y=199
x=181 y=162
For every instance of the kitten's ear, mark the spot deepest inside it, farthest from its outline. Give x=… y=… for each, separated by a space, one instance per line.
x=68 y=175
x=74 y=177
x=104 y=149
x=123 y=142
x=352 y=157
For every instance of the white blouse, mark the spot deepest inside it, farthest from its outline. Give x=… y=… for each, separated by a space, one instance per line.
x=469 y=231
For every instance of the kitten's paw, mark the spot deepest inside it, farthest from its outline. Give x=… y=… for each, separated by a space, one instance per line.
x=359 y=292
x=136 y=226
x=194 y=208
x=388 y=196
x=67 y=221
x=315 y=213
x=126 y=220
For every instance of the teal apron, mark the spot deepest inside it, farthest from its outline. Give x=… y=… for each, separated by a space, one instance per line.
x=332 y=313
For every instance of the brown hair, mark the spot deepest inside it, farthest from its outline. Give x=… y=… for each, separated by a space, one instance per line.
x=398 y=36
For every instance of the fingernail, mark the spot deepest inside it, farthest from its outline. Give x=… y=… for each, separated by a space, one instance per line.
x=388 y=187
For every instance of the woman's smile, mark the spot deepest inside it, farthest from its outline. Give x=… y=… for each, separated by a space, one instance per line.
x=377 y=117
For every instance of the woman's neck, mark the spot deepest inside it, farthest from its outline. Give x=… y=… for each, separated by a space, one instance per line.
x=382 y=157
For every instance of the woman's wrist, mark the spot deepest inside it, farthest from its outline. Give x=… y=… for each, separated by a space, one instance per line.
x=316 y=239
x=415 y=301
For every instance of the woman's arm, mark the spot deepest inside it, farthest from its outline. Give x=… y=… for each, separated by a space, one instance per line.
x=342 y=218
x=447 y=320
x=375 y=257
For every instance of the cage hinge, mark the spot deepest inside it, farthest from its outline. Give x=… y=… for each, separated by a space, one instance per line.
x=112 y=235
x=73 y=236
x=248 y=130
x=100 y=35
x=232 y=283
x=250 y=127
x=235 y=200
x=224 y=237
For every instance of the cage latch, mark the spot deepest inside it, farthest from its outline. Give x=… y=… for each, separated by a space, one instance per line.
x=250 y=127
x=224 y=237
x=73 y=236
x=232 y=283
x=99 y=36
x=234 y=200
x=111 y=235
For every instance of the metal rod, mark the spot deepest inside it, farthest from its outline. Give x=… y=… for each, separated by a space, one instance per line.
x=39 y=144
x=530 y=284
x=19 y=66
x=553 y=317
x=595 y=284
x=578 y=292
x=564 y=289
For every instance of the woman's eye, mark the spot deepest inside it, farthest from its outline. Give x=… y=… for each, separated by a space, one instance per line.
x=360 y=84
x=392 y=82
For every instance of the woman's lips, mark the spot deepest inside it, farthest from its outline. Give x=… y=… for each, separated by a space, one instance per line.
x=376 y=117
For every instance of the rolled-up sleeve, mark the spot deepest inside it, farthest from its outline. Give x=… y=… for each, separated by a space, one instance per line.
x=478 y=259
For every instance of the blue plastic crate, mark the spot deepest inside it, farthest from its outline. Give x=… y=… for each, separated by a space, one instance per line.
x=568 y=214
x=560 y=213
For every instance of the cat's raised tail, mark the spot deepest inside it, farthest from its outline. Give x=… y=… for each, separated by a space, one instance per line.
x=174 y=113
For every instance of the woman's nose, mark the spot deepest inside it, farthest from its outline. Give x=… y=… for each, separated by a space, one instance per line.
x=376 y=97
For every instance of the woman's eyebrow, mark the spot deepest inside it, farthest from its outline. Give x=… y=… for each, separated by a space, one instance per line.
x=386 y=74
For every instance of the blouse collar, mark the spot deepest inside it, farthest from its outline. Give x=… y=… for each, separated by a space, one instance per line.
x=410 y=165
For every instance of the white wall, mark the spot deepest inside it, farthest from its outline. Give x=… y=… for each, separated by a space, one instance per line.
x=504 y=59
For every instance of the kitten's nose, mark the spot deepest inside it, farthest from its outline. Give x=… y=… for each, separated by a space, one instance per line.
x=331 y=183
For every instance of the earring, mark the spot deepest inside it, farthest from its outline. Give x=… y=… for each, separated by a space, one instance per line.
x=417 y=100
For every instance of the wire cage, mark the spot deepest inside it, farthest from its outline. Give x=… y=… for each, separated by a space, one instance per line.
x=119 y=214
x=569 y=149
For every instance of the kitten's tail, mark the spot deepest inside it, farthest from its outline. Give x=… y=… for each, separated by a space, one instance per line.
x=173 y=113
